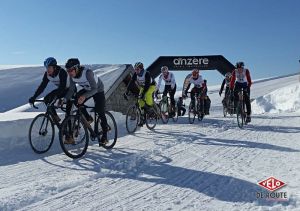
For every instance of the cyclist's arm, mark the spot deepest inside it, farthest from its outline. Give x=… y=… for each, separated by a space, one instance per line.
x=159 y=82
x=147 y=82
x=93 y=84
x=72 y=89
x=222 y=86
x=173 y=82
x=133 y=79
x=248 y=78
x=233 y=77
x=62 y=82
x=42 y=86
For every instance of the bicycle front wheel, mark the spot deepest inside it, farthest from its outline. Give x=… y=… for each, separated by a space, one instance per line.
x=41 y=133
x=191 y=114
x=132 y=118
x=112 y=130
x=164 y=112
x=73 y=137
x=240 y=115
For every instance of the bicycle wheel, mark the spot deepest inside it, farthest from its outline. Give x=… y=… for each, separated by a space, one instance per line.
x=164 y=112
x=240 y=115
x=132 y=118
x=151 y=118
x=73 y=137
x=175 y=117
x=224 y=111
x=191 y=114
x=112 y=133
x=201 y=112
x=41 y=133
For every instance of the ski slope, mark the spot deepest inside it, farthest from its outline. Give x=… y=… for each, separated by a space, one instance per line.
x=210 y=165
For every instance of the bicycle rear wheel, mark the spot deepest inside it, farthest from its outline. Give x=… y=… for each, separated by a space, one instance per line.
x=151 y=118
x=132 y=118
x=112 y=131
x=41 y=133
x=73 y=137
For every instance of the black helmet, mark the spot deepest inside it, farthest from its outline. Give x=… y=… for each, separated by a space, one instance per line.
x=139 y=65
x=240 y=65
x=73 y=62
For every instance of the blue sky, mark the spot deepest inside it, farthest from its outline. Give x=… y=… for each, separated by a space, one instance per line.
x=263 y=33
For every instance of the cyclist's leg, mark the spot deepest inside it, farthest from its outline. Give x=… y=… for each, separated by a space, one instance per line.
x=83 y=109
x=193 y=92
x=141 y=101
x=149 y=95
x=183 y=111
x=247 y=100
x=49 y=98
x=99 y=99
x=237 y=88
x=172 y=94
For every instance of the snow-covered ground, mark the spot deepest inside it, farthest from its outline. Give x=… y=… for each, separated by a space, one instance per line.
x=210 y=165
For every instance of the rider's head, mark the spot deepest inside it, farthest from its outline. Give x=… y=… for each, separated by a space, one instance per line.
x=50 y=63
x=164 y=70
x=72 y=66
x=195 y=73
x=240 y=65
x=228 y=75
x=138 y=67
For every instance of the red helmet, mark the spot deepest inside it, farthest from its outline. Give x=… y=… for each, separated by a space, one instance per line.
x=195 y=73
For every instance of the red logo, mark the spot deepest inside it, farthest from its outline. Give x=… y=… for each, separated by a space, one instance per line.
x=271 y=184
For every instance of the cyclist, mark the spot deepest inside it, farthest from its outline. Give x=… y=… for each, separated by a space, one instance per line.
x=241 y=79
x=59 y=77
x=170 y=85
x=146 y=85
x=92 y=86
x=180 y=107
x=207 y=100
x=226 y=82
x=197 y=80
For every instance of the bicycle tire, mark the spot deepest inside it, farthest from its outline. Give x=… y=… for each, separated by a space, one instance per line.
x=191 y=115
x=112 y=134
x=164 y=115
x=76 y=124
x=240 y=115
x=45 y=145
x=134 y=114
x=152 y=115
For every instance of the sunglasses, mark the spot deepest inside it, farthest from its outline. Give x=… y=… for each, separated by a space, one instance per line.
x=71 y=69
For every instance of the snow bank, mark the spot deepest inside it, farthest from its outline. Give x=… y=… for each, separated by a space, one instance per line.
x=286 y=99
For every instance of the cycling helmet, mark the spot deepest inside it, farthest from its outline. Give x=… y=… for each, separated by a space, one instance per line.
x=228 y=75
x=239 y=64
x=50 y=61
x=138 y=65
x=73 y=62
x=195 y=73
x=164 y=69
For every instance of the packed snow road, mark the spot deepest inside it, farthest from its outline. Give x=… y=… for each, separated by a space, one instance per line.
x=210 y=165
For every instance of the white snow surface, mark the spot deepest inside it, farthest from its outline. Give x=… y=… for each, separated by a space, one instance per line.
x=282 y=100
x=209 y=165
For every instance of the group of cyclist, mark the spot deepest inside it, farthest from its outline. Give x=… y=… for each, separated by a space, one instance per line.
x=65 y=81
x=236 y=80
x=92 y=87
x=239 y=79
